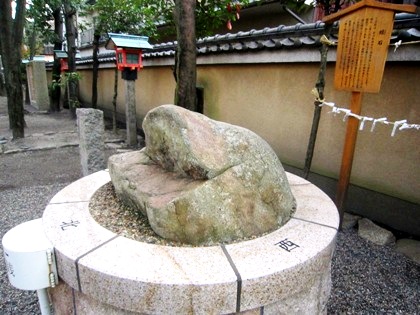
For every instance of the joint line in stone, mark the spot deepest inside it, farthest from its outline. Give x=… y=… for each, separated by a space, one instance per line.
x=85 y=254
x=74 y=301
x=317 y=223
x=67 y=202
x=238 y=277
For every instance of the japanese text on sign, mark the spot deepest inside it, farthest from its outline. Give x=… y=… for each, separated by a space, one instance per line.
x=362 y=52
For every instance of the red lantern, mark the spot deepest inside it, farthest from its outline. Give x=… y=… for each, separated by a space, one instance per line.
x=63 y=57
x=64 y=64
x=128 y=52
x=128 y=58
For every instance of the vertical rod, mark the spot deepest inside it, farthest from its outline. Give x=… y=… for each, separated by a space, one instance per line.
x=320 y=85
x=312 y=139
x=130 y=112
x=44 y=302
x=348 y=152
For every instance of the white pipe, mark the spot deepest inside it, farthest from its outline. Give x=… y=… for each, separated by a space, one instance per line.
x=44 y=301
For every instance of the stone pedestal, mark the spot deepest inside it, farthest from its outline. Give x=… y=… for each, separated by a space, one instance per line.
x=130 y=112
x=287 y=271
x=37 y=85
x=91 y=129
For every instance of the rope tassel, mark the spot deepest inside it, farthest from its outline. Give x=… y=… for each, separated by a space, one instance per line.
x=398 y=125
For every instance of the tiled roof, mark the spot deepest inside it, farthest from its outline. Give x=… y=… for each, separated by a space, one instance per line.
x=282 y=37
x=267 y=38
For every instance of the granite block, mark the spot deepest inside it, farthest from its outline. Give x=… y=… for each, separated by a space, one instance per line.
x=284 y=272
x=159 y=279
x=313 y=204
x=73 y=233
x=283 y=263
x=82 y=189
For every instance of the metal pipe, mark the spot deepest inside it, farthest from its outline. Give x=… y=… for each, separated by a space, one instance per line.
x=297 y=17
x=44 y=301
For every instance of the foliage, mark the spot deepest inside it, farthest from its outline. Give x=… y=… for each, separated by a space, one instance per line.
x=299 y=6
x=33 y=44
x=210 y=14
x=332 y=6
x=40 y=18
x=135 y=17
x=65 y=78
x=39 y=15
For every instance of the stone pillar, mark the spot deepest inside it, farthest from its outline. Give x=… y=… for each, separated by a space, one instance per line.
x=91 y=128
x=130 y=112
x=37 y=84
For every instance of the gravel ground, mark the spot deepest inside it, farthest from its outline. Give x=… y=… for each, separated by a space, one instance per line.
x=367 y=279
x=27 y=182
x=111 y=213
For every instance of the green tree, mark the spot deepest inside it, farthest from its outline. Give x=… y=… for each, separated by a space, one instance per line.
x=42 y=12
x=11 y=37
x=192 y=19
x=70 y=11
x=332 y=6
x=187 y=19
x=121 y=16
x=185 y=63
x=135 y=17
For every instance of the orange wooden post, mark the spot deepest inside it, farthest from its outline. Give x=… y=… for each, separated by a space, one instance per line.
x=348 y=151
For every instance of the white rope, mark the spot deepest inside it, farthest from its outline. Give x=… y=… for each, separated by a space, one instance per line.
x=398 y=125
x=400 y=42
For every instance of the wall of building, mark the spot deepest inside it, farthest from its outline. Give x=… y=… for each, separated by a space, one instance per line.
x=275 y=101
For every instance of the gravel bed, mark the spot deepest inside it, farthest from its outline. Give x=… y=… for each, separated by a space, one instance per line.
x=372 y=279
x=367 y=279
x=18 y=206
x=109 y=211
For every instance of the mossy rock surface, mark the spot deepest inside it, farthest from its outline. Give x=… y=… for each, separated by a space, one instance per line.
x=201 y=181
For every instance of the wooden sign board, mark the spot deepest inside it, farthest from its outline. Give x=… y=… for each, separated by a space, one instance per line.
x=363 y=39
x=362 y=50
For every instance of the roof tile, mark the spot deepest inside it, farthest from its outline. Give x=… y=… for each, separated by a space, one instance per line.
x=280 y=37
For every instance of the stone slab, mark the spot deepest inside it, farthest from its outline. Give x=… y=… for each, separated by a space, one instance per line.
x=315 y=205
x=83 y=189
x=374 y=233
x=159 y=279
x=275 y=272
x=67 y=221
x=91 y=127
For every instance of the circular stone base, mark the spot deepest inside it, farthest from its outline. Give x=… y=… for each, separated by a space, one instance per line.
x=286 y=271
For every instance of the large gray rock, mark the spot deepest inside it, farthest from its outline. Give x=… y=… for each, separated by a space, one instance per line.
x=374 y=233
x=200 y=181
x=349 y=220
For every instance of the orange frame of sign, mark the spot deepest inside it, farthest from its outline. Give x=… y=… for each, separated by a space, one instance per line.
x=363 y=40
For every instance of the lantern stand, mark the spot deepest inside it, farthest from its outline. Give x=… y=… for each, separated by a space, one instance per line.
x=128 y=52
